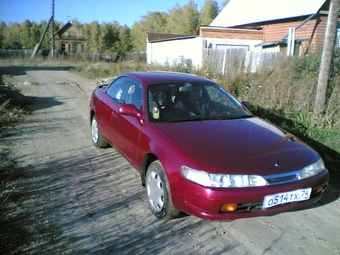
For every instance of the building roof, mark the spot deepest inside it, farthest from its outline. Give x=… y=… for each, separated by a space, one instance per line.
x=69 y=32
x=155 y=37
x=244 y=12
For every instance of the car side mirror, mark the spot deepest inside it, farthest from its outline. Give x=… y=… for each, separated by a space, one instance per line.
x=129 y=110
x=245 y=103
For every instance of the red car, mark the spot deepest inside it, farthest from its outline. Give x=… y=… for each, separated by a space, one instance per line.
x=200 y=151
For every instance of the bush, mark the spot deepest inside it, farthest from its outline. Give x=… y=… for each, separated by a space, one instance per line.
x=286 y=95
x=12 y=105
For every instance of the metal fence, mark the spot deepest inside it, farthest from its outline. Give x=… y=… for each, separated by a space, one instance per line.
x=224 y=61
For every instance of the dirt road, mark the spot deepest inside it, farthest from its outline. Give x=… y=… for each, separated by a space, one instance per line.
x=90 y=201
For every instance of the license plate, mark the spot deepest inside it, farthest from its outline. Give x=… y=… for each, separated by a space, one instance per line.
x=286 y=197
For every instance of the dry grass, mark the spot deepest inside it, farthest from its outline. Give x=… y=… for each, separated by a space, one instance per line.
x=284 y=96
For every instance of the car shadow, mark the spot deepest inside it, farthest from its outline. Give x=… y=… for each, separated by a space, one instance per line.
x=330 y=156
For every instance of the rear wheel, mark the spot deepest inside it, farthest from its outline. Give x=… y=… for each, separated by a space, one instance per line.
x=158 y=192
x=97 y=138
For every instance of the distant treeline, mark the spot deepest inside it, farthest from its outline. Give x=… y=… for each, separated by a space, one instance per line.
x=112 y=37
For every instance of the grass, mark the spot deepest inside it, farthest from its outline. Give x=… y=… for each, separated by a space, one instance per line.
x=13 y=182
x=19 y=228
x=284 y=96
x=287 y=92
x=12 y=105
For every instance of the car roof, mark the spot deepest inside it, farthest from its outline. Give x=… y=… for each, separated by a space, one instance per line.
x=151 y=77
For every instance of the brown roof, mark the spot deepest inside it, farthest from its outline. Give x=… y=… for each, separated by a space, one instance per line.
x=160 y=37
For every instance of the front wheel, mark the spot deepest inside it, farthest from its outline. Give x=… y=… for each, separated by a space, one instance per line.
x=158 y=192
x=97 y=138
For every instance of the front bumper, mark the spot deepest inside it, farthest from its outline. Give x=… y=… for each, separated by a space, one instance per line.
x=206 y=202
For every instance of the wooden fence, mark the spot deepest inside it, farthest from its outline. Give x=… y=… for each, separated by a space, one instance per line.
x=115 y=57
x=15 y=53
x=218 y=61
x=224 y=61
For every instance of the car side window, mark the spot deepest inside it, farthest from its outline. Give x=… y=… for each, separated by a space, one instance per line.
x=116 y=88
x=126 y=90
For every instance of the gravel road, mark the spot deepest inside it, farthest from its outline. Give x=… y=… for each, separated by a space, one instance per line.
x=90 y=201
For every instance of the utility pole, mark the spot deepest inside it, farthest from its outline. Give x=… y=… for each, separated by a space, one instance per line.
x=53 y=50
x=38 y=45
x=321 y=92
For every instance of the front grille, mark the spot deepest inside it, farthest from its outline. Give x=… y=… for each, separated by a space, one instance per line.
x=249 y=207
x=274 y=179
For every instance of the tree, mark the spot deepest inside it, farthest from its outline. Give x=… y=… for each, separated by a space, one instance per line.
x=76 y=24
x=12 y=36
x=154 y=22
x=190 y=19
x=35 y=34
x=172 y=24
x=85 y=28
x=123 y=45
x=320 y=98
x=209 y=12
x=224 y=4
x=110 y=35
x=25 y=34
x=45 y=43
x=3 y=27
x=94 y=40
x=138 y=37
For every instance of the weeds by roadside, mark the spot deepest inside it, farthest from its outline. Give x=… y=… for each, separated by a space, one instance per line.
x=19 y=228
x=12 y=235
x=283 y=96
x=13 y=105
x=13 y=222
x=288 y=91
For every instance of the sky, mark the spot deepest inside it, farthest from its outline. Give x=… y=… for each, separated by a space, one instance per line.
x=126 y=12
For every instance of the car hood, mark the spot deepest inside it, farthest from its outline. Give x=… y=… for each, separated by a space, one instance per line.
x=247 y=146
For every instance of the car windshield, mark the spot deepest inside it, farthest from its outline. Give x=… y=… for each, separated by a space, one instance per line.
x=179 y=102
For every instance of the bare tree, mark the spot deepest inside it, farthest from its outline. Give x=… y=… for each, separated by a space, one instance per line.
x=320 y=99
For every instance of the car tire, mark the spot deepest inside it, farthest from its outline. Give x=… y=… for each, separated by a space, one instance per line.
x=97 y=138
x=158 y=192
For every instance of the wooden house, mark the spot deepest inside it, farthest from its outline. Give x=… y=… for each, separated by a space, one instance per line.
x=302 y=22
x=70 y=40
x=291 y=27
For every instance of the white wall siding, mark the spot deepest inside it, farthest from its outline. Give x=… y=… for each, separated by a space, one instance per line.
x=172 y=52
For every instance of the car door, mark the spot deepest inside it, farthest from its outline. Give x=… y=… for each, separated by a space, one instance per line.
x=126 y=129
x=107 y=106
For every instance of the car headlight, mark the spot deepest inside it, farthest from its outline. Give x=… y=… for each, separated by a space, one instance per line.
x=313 y=169
x=222 y=180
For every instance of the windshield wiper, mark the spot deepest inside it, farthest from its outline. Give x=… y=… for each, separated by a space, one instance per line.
x=196 y=118
x=212 y=117
x=233 y=117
